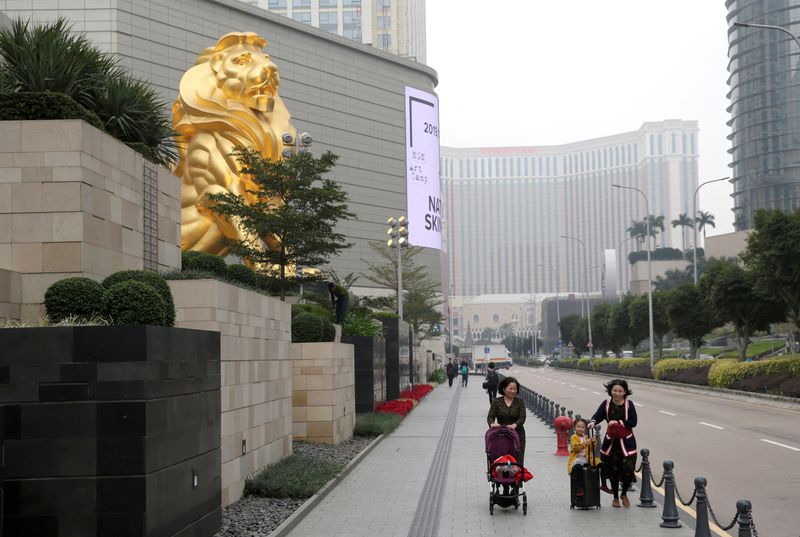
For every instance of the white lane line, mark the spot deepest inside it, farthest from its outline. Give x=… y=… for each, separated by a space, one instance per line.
x=710 y=425
x=779 y=444
x=583 y=389
x=571 y=385
x=638 y=404
x=667 y=413
x=597 y=393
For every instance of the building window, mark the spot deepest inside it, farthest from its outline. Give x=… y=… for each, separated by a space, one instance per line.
x=352 y=25
x=383 y=5
x=475 y=319
x=301 y=4
x=277 y=4
x=328 y=3
x=329 y=21
x=384 y=23
x=384 y=42
x=302 y=16
x=495 y=318
x=351 y=3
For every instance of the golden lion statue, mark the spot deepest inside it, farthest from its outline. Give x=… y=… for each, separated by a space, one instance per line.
x=228 y=99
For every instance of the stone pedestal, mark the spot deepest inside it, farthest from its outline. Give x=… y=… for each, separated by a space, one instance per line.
x=323 y=392
x=370 y=371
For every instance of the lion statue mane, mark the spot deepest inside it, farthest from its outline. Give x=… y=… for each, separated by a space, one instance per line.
x=229 y=98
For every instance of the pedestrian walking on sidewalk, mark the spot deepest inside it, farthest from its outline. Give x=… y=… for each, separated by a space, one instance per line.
x=618 y=450
x=509 y=411
x=464 y=370
x=452 y=370
x=491 y=383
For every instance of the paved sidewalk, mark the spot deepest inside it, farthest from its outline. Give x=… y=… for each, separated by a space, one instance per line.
x=380 y=496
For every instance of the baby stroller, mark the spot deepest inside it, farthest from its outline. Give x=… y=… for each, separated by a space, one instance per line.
x=505 y=477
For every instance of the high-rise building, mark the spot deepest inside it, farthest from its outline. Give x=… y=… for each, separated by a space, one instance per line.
x=506 y=208
x=765 y=108
x=395 y=26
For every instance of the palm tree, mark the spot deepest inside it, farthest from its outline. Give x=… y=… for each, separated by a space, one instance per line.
x=656 y=224
x=684 y=221
x=704 y=219
x=638 y=230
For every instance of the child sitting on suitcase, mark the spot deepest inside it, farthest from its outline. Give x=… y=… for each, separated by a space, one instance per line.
x=578 y=444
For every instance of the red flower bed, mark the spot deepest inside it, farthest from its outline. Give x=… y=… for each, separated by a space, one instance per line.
x=398 y=406
x=417 y=392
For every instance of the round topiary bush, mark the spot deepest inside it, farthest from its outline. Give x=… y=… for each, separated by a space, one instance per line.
x=80 y=297
x=308 y=328
x=242 y=274
x=154 y=280
x=134 y=302
x=328 y=331
x=316 y=309
x=205 y=262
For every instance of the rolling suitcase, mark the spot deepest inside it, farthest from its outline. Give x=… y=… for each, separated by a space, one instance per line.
x=590 y=481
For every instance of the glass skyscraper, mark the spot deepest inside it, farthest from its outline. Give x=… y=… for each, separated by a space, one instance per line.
x=507 y=207
x=765 y=108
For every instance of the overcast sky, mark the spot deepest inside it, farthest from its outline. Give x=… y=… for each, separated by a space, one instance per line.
x=544 y=72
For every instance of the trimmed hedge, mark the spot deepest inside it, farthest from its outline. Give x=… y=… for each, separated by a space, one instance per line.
x=659 y=254
x=242 y=274
x=79 y=297
x=725 y=373
x=585 y=364
x=316 y=309
x=673 y=365
x=629 y=363
x=606 y=365
x=134 y=302
x=154 y=280
x=328 y=330
x=568 y=363
x=26 y=106
x=308 y=328
x=204 y=262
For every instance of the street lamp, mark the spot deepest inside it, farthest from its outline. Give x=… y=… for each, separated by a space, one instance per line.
x=300 y=143
x=694 y=221
x=649 y=268
x=768 y=27
x=619 y=269
x=558 y=306
x=398 y=238
x=585 y=293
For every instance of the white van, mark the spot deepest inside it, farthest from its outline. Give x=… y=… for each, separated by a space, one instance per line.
x=627 y=354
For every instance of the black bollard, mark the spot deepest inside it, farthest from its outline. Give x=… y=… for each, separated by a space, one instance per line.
x=743 y=508
x=701 y=528
x=670 y=513
x=564 y=410
x=551 y=418
x=569 y=413
x=646 y=494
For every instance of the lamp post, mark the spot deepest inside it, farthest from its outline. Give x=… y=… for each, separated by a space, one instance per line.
x=585 y=292
x=398 y=238
x=649 y=268
x=301 y=143
x=694 y=221
x=450 y=318
x=768 y=27
x=619 y=269
x=558 y=306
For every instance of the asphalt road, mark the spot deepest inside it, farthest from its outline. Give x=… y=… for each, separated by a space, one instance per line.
x=744 y=450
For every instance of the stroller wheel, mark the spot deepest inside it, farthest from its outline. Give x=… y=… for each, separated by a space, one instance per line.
x=491 y=503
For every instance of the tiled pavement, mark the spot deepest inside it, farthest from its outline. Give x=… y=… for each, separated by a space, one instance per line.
x=380 y=496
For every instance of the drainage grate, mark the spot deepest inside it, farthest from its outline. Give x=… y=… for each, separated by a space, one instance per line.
x=429 y=509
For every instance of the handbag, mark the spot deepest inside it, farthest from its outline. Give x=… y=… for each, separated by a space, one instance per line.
x=485 y=384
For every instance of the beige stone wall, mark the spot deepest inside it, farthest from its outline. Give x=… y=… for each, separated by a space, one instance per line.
x=9 y=295
x=71 y=203
x=255 y=335
x=323 y=392
x=727 y=244
x=638 y=283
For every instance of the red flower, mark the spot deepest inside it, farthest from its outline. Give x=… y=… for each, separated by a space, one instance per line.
x=417 y=392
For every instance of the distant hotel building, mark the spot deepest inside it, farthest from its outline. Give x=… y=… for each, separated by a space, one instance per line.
x=765 y=108
x=394 y=26
x=507 y=207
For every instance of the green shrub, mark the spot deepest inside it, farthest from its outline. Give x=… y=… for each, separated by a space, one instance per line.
x=567 y=363
x=437 y=376
x=672 y=365
x=308 y=328
x=154 y=280
x=316 y=309
x=328 y=330
x=585 y=364
x=725 y=372
x=361 y=325
x=242 y=274
x=205 y=262
x=26 y=106
x=376 y=423
x=74 y=297
x=385 y=315
x=296 y=476
x=606 y=365
x=134 y=302
x=629 y=363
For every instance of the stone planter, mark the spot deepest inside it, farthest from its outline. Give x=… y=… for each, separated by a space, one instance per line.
x=370 y=371
x=323 y=392
x=111 y=430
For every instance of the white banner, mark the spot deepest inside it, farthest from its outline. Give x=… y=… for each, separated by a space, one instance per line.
x=422 y=169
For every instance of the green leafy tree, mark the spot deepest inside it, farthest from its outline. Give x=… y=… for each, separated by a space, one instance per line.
x=292 y=218
x=618 y=325
x=690 y=316
x=600 y=334
x=684 y=221
x=773 y=255
x=672 y=278
x=638 y=230
x=420 y=310
x=639 y=319
x=574 y=328
x=704 y=220
x=733 y=294
x=486 y=336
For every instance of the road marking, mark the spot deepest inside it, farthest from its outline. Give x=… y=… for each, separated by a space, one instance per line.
x=779 y=444
x=571 y=385
x=597 y=393
x=638 y=404
x=583 y=389
x=667 y=413
x=711 y=425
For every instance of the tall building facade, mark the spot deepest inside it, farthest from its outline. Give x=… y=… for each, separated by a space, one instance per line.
x=394 y=26
x=764 y=98
x=506 y=208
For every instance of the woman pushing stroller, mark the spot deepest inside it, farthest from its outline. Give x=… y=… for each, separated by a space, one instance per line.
x=509 y=411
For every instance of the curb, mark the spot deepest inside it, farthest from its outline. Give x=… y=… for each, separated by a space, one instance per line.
x=765 y=399
x=295 y=518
